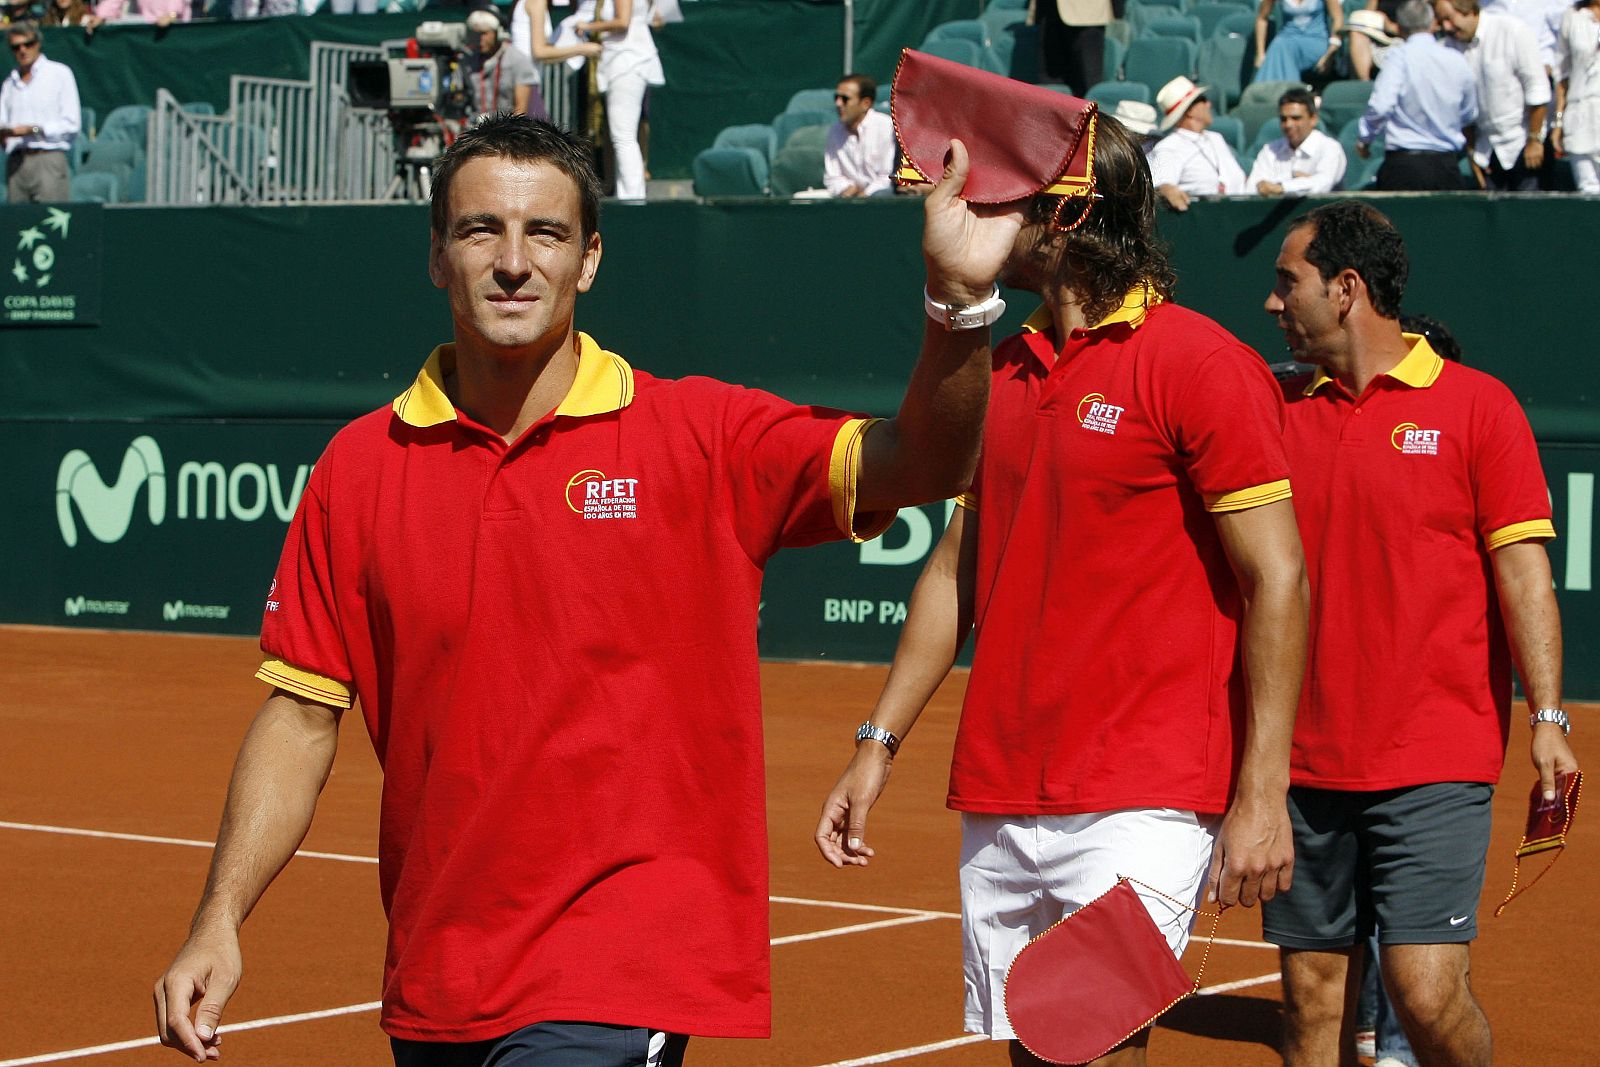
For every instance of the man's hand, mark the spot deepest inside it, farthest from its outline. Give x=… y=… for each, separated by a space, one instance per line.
x=1533 y=153
x=1364 y=149
x=1269 y=188
x=1176 y=198
x=1556 y=145
x=1551 y=755
x=191 y=995
x=965 y=245
x=842 y=831
x=1254 y=856
x=850 y=191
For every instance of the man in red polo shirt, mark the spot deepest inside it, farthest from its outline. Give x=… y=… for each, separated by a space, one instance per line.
x=1129 y=560
x=538 y=571
x=1424 y=512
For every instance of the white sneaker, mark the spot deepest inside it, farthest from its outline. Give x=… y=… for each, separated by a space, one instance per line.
x=1366 y=1044
x=1390 y=1061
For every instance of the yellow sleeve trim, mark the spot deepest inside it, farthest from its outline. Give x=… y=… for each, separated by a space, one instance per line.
x=968 y=500
x=844 y=472
x=322 y=689
x=1533 y=530
x=1253 y=497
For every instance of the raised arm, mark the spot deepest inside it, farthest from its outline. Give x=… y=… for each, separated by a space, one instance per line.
x=539 y=44
x=621 y=15
x=929 y=450
x=279 y=773
x=1254 y=857
x=1533 y=627
x=935 y=628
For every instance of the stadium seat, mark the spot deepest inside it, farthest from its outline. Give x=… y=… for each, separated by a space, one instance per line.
x=1268 y=92
x=107 y=154
x=77 y=153
x=809 y=137
x=1157 y=60
x=1232 y=131
x=796 y=170
x=1120 y=30
x=1221 y=63
x=95 y=187
x=998 y=18
x=197 y=107
x=974 y=30
x=1139 y=15
x=1109 y=94
x=130 y=122
x=1210 y=14
x=1253 y=114
x=1185 y=26
x=1003 y=44
x=1024 y=62
x=811 y=100
x=740 y=171
x=1240 y=23
x=1266 y=134
x=1112 y=55
x=137 y=180
x=757 y=135
x=785 y=124
x=957 y=50
x=1358 y=173
x=256 y=113
x=1343 y=101
x=86 y=124
x=1014 y=5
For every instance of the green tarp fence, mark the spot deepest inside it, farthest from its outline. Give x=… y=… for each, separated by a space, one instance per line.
x=153 y=458
x=729 y=62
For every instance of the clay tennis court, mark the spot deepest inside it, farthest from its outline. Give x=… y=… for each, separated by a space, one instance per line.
x=116 y=754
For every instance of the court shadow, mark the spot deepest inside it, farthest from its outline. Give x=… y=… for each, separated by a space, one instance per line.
x=1227 y=1018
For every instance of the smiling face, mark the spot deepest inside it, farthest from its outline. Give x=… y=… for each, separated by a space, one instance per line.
x=512 y=256
x=1306 y=307
x=850 y=104
x=1461 y=25
x=1296 y=121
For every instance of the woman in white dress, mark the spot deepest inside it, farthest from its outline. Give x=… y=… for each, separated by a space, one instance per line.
x=629 y=65
x=531 y=35
x=1577 y=124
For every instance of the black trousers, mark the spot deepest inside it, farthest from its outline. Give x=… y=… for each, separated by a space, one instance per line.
x=553 y=1044
x=1071 y=55
x=1404 y=170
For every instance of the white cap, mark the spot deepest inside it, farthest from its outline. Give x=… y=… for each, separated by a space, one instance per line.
x=1174 y=100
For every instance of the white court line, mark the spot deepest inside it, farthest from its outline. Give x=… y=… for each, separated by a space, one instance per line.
x=898 y=1054
x=252 y=1024
x=865 y=907
x=1212 y=990
x=73 y=831
x=881 y=924
x=1236 y=943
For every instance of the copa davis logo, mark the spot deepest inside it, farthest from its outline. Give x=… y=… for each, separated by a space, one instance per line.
x=1097 y=415
x=202 y=489
x=1411 y=440
x=594 y=496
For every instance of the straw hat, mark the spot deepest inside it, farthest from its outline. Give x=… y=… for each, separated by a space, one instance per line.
x=1138 y=116
x=1368 y=24
x=1174 y=100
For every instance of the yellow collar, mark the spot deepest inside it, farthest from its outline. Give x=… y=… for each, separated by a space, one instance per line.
x=1136 y=304
x=604 y=382
x=1420 y=369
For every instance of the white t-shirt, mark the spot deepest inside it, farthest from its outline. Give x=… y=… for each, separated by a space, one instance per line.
x=1201 y=164
x=1317 y=166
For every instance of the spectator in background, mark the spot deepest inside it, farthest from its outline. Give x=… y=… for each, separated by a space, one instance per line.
x=1140 y=119
x=157 y=12
x=1304 y=160
x=859 y=158
x=71 y=13
x=1191 y=160
x=1368 y=37
x=500 y=77
x=1421 y=102
x=1577 y=122
x=629 y=65
x=39 y=117
x=1507 y=143
x=532 y=34
x=1306 y=38
x=15 y=11
x=1072 y=40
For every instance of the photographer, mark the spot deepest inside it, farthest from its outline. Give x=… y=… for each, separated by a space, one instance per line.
x=500 y=77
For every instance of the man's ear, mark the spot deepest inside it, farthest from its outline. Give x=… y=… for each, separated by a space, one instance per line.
x=591 y=263
x=1349 y=289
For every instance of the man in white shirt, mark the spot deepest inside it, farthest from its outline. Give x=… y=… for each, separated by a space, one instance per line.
x=38 y=118
x=859 y=159
x=1507 y=144
x=1304 y=160
x=1191 y=160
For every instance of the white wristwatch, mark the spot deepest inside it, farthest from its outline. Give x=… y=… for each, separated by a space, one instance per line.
x=968 y=316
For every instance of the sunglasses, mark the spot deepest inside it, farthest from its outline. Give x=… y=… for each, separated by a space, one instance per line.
x=846 y=99
x=23 y=45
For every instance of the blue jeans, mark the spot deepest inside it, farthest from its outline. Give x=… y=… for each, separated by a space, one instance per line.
x=1391 y=1036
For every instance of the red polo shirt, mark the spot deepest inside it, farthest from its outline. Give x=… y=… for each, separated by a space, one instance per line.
x=1401 y=495
x=554 y=647
x=1106 y=670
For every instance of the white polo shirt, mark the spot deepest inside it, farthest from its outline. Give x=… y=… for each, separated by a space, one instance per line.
x=1317 y=166
x=48 y=100
x=863 y=157
x=1201 y=164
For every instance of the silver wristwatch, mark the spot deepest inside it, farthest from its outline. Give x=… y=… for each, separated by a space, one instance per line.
x=869 y=732
x=965 y=316
x=1555 y=715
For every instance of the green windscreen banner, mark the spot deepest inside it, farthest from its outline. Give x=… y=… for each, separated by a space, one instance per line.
x=54 y=276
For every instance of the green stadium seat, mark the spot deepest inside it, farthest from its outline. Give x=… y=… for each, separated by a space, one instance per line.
x=1012 y=5
x=1157 y=60
x=87 y=130
x=95 y=187
x=1211 y=13
x=1268 y=92
x=1265 y=135
x=1112 y=55
x=1240 y=23
x=1024 y=56
x=1359 y=173
x=1253 y=114
x=998 y=18
x=740 y=171
x=757 y=135
x=1121 y=30
x=1108 y=94
x=108 y=154
x=811 y=100
x=957 y=50
x=1232 y=131
x=1139 y=15
x=785 y=124
x=796 y=170
x=1222 y=61
x=197 y=107
x=1343 y=101
x=130 y=122
x=1185 y=26
x=137 y=180
x=974 y=30
x=809 y=137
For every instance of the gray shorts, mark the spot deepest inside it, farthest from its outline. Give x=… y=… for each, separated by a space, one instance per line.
x=1407 y=863
x=553 y=1044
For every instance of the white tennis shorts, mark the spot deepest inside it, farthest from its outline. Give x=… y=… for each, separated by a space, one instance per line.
x=1020 y=874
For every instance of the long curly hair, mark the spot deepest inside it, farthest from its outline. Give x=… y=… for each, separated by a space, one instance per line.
x=1116 y=247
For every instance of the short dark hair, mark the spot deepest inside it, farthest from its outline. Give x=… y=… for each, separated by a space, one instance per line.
x=1116 y=247
x=1438 y=335
x=1299 y=95
x=525 y=140
x=1351 y=236
x=866 y=88
x=26 y=28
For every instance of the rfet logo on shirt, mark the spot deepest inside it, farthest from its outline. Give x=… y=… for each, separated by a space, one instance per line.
x=593 y=495
x=1412 y=440
x=1094 y=413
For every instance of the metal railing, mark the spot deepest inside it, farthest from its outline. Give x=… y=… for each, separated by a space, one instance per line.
x=285 y=141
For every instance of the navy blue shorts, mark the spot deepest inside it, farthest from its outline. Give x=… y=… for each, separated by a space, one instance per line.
x=1407 y=863
x=554 y=1044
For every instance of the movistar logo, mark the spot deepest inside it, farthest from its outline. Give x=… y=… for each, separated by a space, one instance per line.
x=203 y=490
x=108 y=509
x=175 y=610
